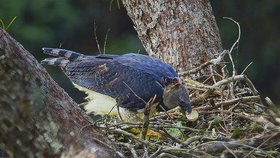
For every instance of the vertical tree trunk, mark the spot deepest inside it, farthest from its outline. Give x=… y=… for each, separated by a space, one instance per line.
x=182 y=33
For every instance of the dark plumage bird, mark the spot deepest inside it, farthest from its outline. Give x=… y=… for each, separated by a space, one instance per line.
x=125 y=81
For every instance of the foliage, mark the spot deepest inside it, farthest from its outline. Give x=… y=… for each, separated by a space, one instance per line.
x=69 y=24
x=36 y=20
x=118 y=4
x=3 y=26
x=176 y=132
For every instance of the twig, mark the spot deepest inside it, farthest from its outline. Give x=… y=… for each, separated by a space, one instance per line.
x=119 y=114
x=273 y=107
x=235 y=78
x=224 y=82
x=146 y=118
x=232 y=102
x=130 y=148
x=146 y=153
x=212 y=74
x=196 y=69
x=170 y=136
x=246 y=68
x=234 y=106
x=190 y=140
x=127 y=134
x=127 y=125
x=134 y=92
x=156 y=153
x=175 y=126
x=261 y=120
x=227 y=80
x=203 y=96
x=224 y=71
x=250 y=85
x=164 y=155
x=241 y=100
x=230 y=56
x=165 y=112
x=96 y=39
x=215 y=146
x=235 y=43
x=105 y=41
x=269 y=101
x=229 y=150
x=178 y=151
x=267 y=140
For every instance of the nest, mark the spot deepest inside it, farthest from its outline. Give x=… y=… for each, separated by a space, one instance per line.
x=233 y=121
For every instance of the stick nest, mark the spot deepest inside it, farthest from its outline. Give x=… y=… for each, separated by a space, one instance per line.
x=233 y=120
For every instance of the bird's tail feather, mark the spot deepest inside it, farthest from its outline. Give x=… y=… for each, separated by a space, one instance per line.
x=60 y=62
x=64 y=57
x=70 y=55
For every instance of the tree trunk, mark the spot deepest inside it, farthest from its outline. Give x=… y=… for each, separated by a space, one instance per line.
x=37 y=118
x=182 y=33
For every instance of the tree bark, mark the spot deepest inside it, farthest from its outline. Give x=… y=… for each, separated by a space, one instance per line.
x=182 y=33
x=37 y=118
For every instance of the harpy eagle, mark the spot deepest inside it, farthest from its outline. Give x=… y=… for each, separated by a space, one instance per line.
x=122 y=84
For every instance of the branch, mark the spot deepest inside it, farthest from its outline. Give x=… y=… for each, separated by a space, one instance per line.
x=252 y=143
x=37 y=118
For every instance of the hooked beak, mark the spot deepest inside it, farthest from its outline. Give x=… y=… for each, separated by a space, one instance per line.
x=186 y=109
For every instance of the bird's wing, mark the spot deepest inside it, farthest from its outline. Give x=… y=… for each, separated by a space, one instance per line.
x=147 y=64
x=131 y=78
x=131 y=86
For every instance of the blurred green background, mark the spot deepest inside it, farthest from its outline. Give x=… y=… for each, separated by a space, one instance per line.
x=70 y=24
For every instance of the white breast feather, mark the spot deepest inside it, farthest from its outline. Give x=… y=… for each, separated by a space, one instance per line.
x=102 y=104
x=99 y=103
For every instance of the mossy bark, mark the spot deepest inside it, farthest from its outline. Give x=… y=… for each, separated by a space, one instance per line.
x=37 y=118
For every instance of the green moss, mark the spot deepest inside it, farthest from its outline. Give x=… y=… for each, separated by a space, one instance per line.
x=235 y=132
x=255 y=126
x=51 y=136
x=216 y=121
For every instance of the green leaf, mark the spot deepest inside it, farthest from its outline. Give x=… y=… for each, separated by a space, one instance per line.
x=111 y=3
x=235 y=132
x=12 y=21
x=176 y=132
x=255 y=126
x=10 y=24
x=216 y=121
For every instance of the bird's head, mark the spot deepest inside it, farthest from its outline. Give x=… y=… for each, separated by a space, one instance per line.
x=176 y=94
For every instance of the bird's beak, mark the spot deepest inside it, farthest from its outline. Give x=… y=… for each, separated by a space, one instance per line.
x=185 y=108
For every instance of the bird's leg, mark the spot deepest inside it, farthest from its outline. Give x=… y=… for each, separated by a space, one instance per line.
x=146 y=132
x=120 y=116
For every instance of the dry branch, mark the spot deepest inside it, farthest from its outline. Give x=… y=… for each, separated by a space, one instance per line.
x=233 y=124
x=230 y=105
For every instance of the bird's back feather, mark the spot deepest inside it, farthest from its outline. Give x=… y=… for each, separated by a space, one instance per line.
x=132 y=79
